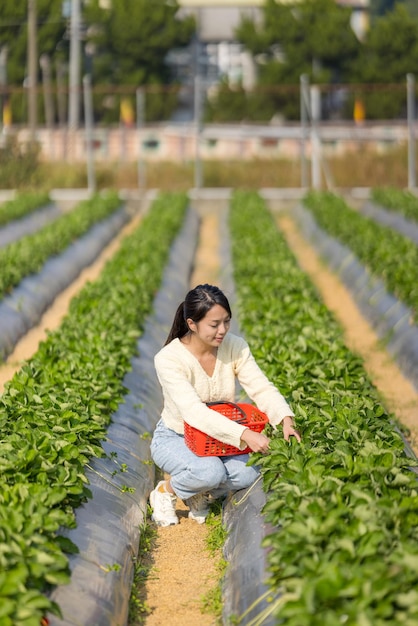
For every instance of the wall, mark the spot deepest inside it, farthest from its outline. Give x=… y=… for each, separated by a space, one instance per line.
x=171 y=142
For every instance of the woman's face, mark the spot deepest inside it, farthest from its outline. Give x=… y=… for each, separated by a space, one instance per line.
x=213 y=327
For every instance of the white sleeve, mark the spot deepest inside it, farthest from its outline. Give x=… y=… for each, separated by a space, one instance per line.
x=259 y=388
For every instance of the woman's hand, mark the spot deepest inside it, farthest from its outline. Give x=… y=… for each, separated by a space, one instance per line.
x=289 y=429
x=256 y=441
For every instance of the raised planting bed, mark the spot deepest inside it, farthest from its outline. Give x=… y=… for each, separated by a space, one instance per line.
x=393 y=219
x=378 y=265
x=398 y=200
x=27 y=256
x=343 y=504
x=21 y=205
x=387 y=254
x=55 y=414
x=36 y=220
x=25 y=305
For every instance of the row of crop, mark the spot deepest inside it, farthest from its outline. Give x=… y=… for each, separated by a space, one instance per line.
x=55 y=411
x=386 y=254
x=28 y=254
x=343 y=502
x=22 y=205
x=400 y=200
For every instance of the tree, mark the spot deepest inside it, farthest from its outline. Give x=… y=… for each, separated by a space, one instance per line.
x=389 y=53
x=131 y=40
x=313 y=37
x=412 y=7
x=380 y=7
x=51 y=27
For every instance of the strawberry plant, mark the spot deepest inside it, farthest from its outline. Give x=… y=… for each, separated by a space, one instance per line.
x=344 y=502
x=55 y=411
x=400 y=200
x=22 y=205
x=386 y=254
x=28 y=254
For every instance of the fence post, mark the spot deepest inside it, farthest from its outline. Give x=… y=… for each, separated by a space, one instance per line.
x=88 y=120
x=140 y=121
x=315 y=142
x=3 y=84
x=32 y=68
x=74 y=70
x=198 y=122
x=304 y=117
x=410 y=83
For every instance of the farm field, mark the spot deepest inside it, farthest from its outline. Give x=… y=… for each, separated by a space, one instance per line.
x=53 y=453
x=401 y=395
x=333 y=497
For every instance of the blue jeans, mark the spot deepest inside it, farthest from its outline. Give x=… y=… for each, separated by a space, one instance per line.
x=191 y=474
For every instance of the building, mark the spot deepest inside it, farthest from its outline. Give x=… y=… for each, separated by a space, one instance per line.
x=217 y=21
x=220 y=55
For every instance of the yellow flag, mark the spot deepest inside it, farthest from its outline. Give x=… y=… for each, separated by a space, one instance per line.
x=7 y=114
x=127 y=115
x=359 y=112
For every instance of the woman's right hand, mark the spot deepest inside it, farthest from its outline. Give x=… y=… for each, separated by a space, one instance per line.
x=256 y=441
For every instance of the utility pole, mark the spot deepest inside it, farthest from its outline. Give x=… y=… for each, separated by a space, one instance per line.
x=45 y=64
x=304 y=118
x=140 y=122
x=32 y=68
x=88 y=120
x=410 y=79
x=315 y=142
x=198 y=129
x=197 y=103
x=74 y=77
x=3 y=82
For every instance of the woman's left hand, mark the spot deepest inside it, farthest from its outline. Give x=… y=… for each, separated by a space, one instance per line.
x=289 y=429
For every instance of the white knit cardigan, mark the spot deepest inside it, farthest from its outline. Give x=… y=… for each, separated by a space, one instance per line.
x=187 y=387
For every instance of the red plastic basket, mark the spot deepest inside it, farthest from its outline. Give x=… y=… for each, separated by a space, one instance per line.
x=205 y=445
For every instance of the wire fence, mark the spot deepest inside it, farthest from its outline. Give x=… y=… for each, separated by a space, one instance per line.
x=342 y=102
x=118 y=124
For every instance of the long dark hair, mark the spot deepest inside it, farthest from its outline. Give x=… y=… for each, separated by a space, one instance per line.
x=195 y=306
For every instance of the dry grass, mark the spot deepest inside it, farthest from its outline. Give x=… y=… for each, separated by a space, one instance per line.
x=360 y=168
x=366 y=168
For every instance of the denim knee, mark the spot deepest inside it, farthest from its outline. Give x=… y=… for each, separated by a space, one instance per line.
x=240 y=475
x=209 y=472
x=204 y=474
x=246 y=477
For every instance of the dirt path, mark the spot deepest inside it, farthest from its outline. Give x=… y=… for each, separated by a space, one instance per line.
x=183 y=570
x=399 y=395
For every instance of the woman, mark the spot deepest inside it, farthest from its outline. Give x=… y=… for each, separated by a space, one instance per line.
x=200 y=363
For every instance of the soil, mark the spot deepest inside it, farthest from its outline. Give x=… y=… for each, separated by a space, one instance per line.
x=183 y=569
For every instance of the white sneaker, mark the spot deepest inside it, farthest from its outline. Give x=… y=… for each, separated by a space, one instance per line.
x=163 y=504
x=199 y=507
